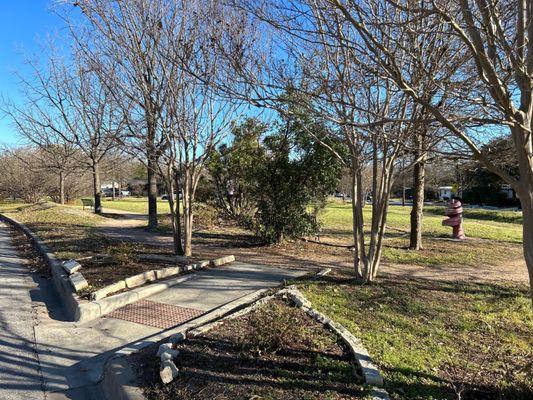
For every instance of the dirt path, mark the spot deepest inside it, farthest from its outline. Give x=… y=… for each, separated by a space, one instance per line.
x=514 y=271
x=127 y=226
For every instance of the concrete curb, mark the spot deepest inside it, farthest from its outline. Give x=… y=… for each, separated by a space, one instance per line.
x=119 y=380
x=80 y=310
x=157 y=275
x=77 y=310
x=108 y=304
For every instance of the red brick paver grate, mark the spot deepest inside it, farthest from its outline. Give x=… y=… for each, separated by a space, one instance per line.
x=160 y=315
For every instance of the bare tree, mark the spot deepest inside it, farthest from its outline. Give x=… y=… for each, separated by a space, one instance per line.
x=92 y=115
x=373 y=118
x=127 y=48
x=494 y=86
x=22 y=177
x=195 y=119
x=40 y=128
x=70 y=115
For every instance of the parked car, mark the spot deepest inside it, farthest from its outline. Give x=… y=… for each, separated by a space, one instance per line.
x=108 y=192
x=165 y=196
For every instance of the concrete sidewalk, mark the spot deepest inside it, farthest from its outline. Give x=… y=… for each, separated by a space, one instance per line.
x=42 y=354
x=73 y=355
x=20 y=376
x=128 y=226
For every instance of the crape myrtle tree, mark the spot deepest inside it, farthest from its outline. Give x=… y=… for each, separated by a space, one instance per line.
x=124 y=41
x=337 y=48
x=195 y=119
x=494 y=84
x=375 y=118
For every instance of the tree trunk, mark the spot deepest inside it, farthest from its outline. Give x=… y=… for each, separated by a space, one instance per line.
x=187 y=211
x=97 y=189
x=526 y=200
x=61 y=187
x=152 y=192
x=419 y=178
x=523 y=142
x=187 y=224
x=358 y=226
x=173 y=187
x=113 y=187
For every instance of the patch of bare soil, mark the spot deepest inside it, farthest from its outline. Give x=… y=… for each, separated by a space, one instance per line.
x=219 y=240
x=275 y=352
x=302 y=254
x=513 y=271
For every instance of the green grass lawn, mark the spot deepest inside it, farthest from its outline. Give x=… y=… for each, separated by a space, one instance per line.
x=66 y=230
x=500 y=237
x=484 y=224
x=135 y=204
x=427 y=335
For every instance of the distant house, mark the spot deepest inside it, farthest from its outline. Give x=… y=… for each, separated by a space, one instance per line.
x=445 y=192
x=110 y=185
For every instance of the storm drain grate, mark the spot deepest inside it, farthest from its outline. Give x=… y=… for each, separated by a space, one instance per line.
x=159 y=315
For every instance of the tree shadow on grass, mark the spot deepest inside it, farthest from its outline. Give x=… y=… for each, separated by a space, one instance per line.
x=421 y=385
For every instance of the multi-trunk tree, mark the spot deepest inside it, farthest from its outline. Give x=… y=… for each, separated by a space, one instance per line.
x=313 y=52
x=493 y=83
x=195 y=119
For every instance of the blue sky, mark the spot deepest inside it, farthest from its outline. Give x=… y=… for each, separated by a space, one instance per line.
x=23 y=25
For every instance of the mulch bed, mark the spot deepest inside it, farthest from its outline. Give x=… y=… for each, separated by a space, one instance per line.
x=275 y=352
x=124 y=263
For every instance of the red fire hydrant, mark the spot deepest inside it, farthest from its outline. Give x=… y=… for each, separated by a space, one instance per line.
x=454 y=212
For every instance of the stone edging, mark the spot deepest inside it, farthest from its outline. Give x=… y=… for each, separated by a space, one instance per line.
x=80 y=310
x=371 y=373
x=119 y=379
